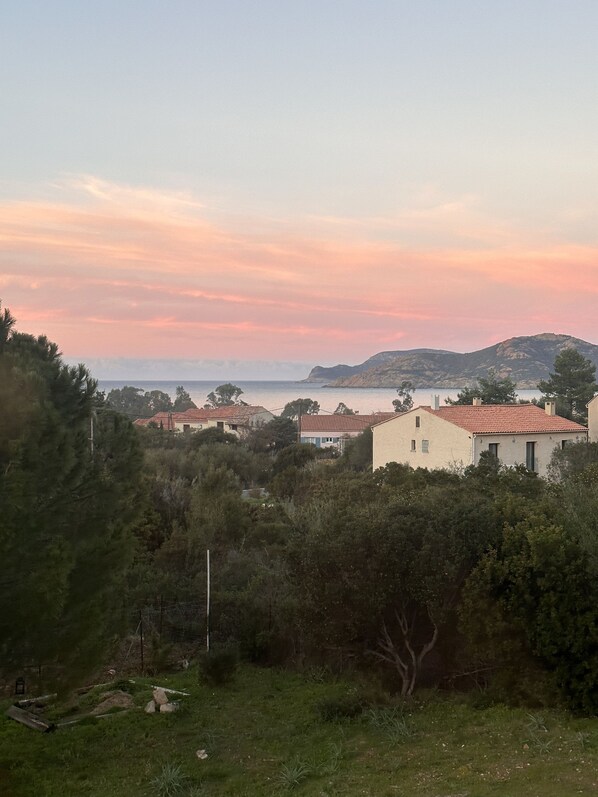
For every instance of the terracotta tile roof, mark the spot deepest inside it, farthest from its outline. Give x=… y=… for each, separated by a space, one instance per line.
x=504 y=419
x=167 y=420
x=341 y=423
x=235 y=413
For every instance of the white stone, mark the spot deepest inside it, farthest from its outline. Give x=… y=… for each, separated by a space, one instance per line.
x=201 y=754
x=150 y=708
x=160 y=696
x=167 y=708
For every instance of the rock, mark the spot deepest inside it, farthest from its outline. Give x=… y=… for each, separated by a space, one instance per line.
x=150 y=708
x=201 y=754
x=160 y=696
x=167 y=708
x=116 y=699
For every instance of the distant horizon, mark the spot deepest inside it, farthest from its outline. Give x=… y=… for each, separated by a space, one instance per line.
x=166 y=370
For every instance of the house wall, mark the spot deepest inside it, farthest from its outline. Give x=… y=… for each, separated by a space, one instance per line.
x=593 y=420
x=448 y=445
x=512 y=447
x=328 y=439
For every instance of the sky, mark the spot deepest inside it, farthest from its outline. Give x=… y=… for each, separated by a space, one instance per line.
x=231 y=187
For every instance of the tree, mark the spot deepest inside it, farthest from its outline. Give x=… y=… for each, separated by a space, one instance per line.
x=405 y=401
x=379 y=574
x=534 y=598
x=492 y=390
x=134 y=403
x=157 y=401
x=67 y=510
x=183 y=400
x=572 y=384
x=342 y=409
x=358 y=452
x=224 y=396
x=300 y=406
x=272 y=436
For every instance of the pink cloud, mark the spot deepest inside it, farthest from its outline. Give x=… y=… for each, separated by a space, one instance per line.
x=117 y=271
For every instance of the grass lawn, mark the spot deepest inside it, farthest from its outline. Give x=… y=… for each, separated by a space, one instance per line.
x=264 y=735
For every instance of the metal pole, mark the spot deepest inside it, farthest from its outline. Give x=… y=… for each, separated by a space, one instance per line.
x=91 y=433
x=208 y=599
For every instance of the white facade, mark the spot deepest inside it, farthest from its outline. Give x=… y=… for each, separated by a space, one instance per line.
x=423 y=438
x=593 y=419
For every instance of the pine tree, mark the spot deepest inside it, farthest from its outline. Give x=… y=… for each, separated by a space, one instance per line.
x=572 y=384
x=67 y=505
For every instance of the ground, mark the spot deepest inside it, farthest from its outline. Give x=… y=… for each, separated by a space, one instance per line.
x=272 y=732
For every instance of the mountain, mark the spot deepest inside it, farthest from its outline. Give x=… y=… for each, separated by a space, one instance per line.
x=526 y=360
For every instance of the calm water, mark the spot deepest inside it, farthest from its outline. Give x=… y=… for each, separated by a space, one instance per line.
x=274 y=395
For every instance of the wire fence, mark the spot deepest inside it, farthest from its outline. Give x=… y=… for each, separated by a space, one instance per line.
x=163 y=636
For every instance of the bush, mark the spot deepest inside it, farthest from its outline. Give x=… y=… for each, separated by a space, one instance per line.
x=333 y=709
x=218 y=667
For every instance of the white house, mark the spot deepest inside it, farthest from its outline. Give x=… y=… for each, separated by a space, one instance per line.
x=455 y=436
x=236 y=419
x=593 y=419
x=332 y=431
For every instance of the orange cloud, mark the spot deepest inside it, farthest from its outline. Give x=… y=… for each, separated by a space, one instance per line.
x=111 y=270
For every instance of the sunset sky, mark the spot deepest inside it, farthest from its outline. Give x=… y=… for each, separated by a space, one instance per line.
x=296 y=183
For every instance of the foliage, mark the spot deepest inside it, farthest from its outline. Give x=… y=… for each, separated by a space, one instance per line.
x=342 y=409
x=170 y=782
x=134 y=403
x=492 y=389
x=343 y=707
x=67 y=509
x=224 y=396
x=358 y=452
x=572 y=384
x=218 y=667
x=212 y=435
x=535 y=597
x=273 y=436
x=572 y=460
x=183 y=400
x=300 y=406
x=404 y=402
x=382 y=575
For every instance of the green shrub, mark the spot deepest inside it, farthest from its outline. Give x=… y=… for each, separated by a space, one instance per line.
x=344 y=707
x=218 y=667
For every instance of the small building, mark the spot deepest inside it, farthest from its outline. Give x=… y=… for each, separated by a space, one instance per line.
x=593 y=419
x=455 y=436
x=332 y=431
x=235 y=419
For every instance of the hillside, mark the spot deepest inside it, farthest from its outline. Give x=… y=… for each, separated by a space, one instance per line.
x=526 y=360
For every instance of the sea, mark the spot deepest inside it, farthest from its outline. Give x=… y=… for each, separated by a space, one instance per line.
x=273 y=395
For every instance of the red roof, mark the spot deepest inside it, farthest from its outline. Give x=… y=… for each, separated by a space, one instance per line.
x=238 y=414
x=504 y=419
x=164 y=419
x=341 y=423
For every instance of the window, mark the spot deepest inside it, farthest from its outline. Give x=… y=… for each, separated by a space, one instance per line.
x=565 y=443
x=220 y=424
x=417 y=421
x=413 y=445
x=186 y=427
x=530 y=456
x=425 y=446
x=493 y=449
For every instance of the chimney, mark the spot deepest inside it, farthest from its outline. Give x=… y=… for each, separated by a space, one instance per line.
x=550 y=408
x=477 y=402
x=435 y=402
